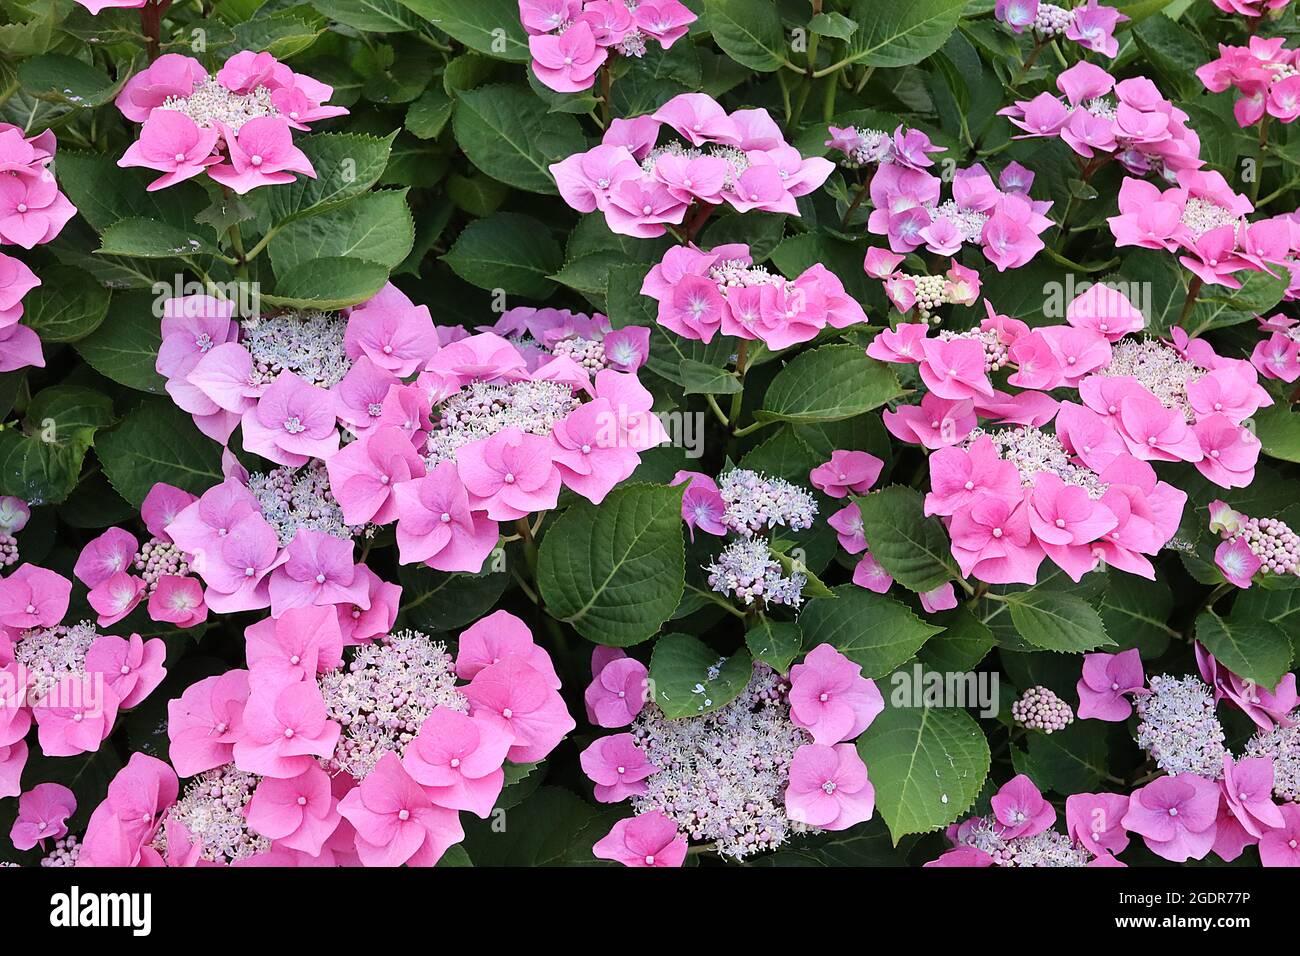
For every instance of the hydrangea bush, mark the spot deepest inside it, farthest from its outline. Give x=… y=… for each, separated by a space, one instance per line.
x=649 y=432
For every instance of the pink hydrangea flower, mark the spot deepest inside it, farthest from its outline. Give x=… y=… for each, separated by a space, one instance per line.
x=1107 y=680
x=318 y=570
x=617 y=767
x=830 y=698
x=299 y=813
x=104 y=556
x=1248 y=794
x=390 y=330
x=13 y=757
x=174 y=145
x=437 y=525
x=520 y=699
x=292 y=422
x=1237 y=562
x=588 y=453
x=33 y=597
x=205 y=721
x=829 y=788
x=395 y=821
x=1096 y=821
x=132 y=667
x=650 y=839
x=567 y=62
x=511 y=474
x=847 y=471
x=458 y=760
x=299 y=644
x=260 y=154
x=496 y=637
x=75 y=716
x=1281 y=847
x=284 y=729
x=43 y=812
x=942 y=598
x=1176 y=816
x=179 y=601
x=1020 y=809
x=870 y=574
x=617 y=693
x=365 y=474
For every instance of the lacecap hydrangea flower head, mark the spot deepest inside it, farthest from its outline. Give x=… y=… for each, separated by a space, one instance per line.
x=746 y=777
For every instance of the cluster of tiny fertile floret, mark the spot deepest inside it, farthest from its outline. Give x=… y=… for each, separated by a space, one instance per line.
x=735 y=158
x=1283 y=745
x=1033 y=450
x=738 y=274
x=747 y=570
x=756 y=502
x=969 y=223
x=1048 y=848
x=309 y=344
x=1178 y=729
x=931 y=293
x=589 y=353
x=156 y=558
x=995 y=350
x=212 y=105
x=481 y=409
x=65 y=852
x=1202 y=215
x=293 y=498
x=213 y=809
x=1273 y=542
x=1052 y=20
x=722 y=776
x=874 y=146
x=8 y=549
x=51 y=653
x=1040 y=709
x=1158 y=367
x=383 y=694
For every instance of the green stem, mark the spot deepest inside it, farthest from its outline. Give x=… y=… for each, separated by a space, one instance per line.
x=1259 y=168
x=606 y=86
x=1193 y=290
x=717 y=410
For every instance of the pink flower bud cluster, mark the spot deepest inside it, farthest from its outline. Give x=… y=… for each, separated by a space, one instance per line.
x=643 y=187
x=236 y=126
x=1040 y=709
x=745 y=776
x=924 y=293
x=570 y=40
x=1253 y=546
x=14 y=515
x=121 y=573
x=701 y=294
